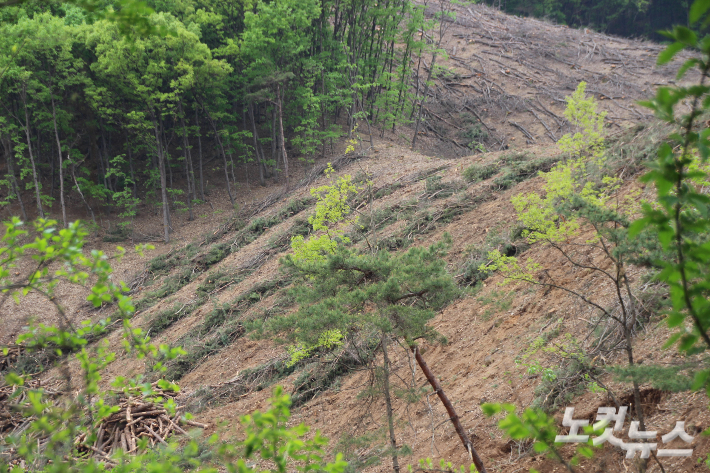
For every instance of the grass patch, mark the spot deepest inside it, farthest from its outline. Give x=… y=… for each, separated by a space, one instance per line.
x=318 y=376
x=437 y=189
x=473 y=135
x=425 y=221
x=218 y=280
x=283 y=240
x=562 y=385
x=496 y=302
x=170 y=286
x=193 y=263
x=519 y=167
x=382 y=217
x=249 y=380
x=479 y=172
x=116 y=234
x=387 y=190
x=166 y=318
x=509 y=242
x=631 y=149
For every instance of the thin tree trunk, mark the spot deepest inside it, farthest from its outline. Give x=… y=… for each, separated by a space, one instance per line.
x=76 y=183
x=32 y=159
x=450 y=410
x=638 y=407
x=130 y=166
x=255 y=134
x=188 y=164
x=224 y=157
x=199 y=144
x=166 y=165
x=426 y=92
x=38 y=150
x=52 y=178
x=107 y=179
x=13 y=180
x=163 y=183
x=388 y=402
x=274 y=145
x=416 y=88
x=283 y=141
x=61 y=172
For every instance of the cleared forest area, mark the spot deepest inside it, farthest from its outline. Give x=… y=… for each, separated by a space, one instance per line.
x=446 y=219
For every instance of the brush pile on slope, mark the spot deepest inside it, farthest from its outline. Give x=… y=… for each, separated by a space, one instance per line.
x=138 y=417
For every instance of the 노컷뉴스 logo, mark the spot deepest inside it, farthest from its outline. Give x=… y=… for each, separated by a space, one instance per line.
x=606 y=415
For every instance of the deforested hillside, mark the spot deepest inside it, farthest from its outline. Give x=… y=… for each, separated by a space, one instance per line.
x=504 y=80
x=497 y=336
x=473 y=250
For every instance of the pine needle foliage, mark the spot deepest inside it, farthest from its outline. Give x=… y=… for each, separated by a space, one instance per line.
x=353 y=293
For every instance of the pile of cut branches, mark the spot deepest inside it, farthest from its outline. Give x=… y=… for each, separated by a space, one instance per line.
x=12 y=399
x=12 y=421
x=138 y=417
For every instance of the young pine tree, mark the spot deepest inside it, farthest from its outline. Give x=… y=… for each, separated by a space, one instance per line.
x=346 y=295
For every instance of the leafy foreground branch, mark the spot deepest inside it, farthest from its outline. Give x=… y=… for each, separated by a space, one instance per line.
x=673 y=233
x=74 y=425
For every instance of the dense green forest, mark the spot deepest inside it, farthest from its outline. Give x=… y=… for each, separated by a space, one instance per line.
x=631 y=18
x=107 y=119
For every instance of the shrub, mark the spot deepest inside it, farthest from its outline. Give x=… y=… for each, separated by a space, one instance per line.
x=479 y=172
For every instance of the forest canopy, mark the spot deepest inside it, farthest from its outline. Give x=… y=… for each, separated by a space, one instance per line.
x=108 y=119
x=630 y=18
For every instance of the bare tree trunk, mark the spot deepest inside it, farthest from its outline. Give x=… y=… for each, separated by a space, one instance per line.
x=61 y=172
x=224 y=156
x=188 y=164
x=450 y=410
x=32 y=159
x=257 y=148
x=283 y=140
x=421 y=102
x=7 y=145
x=163 y=182
x=107 y=179
x=164 y=149
x=52 y=175
x=130 y=166
x=199 y=144
x=388 y=402
x=274 y=145
x=76 y=183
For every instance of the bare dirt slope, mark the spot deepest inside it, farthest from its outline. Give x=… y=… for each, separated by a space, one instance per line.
x=512 y=74
x=507 y=77
x=487 y=330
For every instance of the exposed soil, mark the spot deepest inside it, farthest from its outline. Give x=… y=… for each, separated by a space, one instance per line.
x=515 y=73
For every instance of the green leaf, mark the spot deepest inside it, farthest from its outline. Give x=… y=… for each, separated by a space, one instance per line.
x=687 y=65
x=490 y=409
x=669 y=53
x=13 y=379
x=540 y=447
x=686 y=35
x=701 y=378
x=586 y=451
x=697 y=10
x=638 y=226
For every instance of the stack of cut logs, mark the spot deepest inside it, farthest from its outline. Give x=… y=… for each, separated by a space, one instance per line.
x=136 y=418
